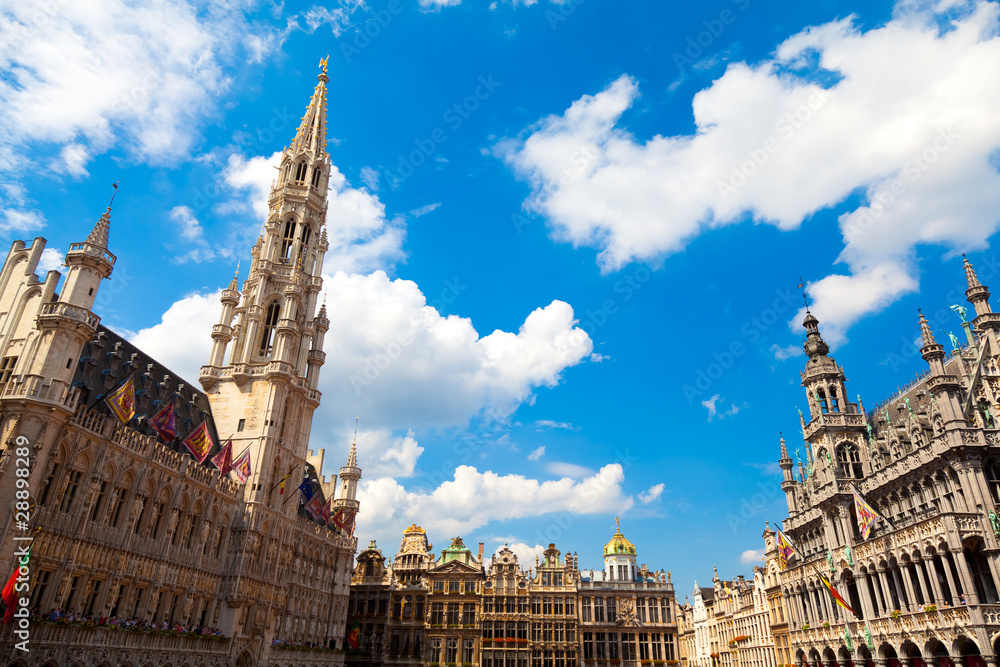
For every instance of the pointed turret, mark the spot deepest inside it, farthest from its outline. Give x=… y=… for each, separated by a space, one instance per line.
x=350 y=474
x=823 y=378
x=977 y=294
x=87 y=264
x=788 y=481
x=99 y=234
x=932 y=352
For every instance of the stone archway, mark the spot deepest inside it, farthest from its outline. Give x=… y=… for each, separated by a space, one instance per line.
x=969 y=651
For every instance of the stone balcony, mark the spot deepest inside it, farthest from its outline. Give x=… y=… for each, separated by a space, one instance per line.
x=37 y=388
x=68 y=643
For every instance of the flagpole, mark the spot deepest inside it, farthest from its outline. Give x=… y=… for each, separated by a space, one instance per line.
x=284 y=478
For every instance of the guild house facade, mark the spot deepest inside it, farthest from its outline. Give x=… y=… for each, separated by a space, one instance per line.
x=140 y=554
x=456 y=609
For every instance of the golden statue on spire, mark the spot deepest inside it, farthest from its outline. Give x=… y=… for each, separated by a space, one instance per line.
x=323 y=62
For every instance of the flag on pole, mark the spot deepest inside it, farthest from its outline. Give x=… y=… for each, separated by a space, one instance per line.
x=344 y=520
x=241 y=466
x=785 y=549
x=121 y=400
x=224 y=459
x=9 y=595
x=163 y=421
x=315 y=506
x=199 y=442
x=354 y=636
x=836 y=596
x=306 y=488
x=866 y=514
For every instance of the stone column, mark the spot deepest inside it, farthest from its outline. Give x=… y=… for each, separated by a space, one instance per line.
x=861 y=581
x=876 y=587
x=899 y=574
x=968 y=585
x=886 y=595
x=925 y=592
x=931 y=572
x=946 y=565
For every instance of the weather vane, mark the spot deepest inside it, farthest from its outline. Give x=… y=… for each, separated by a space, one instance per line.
x=115 y=186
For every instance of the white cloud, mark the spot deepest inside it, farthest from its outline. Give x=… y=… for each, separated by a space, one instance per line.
x=196 y=247
x=911 y=121
x=72 y=160
x=782 y=352
x=370 y=177
x=570 y=470
x=386 y=455
x=424 y=210
x=713 y=410
x=181 y=341
x=51 y=260
x=473 y=499
x=545 y=424
x=537 y=454
x=754 y=556
x=526 y=554
x=393 y=359
x=17 y=222
x=652 y=494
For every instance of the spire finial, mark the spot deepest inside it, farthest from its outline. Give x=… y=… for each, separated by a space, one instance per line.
x=323 y=62
x=115 y=186
x=925 y=330
x=970 y=273
x=234 y=283
x=352 y=458
x=805 y=299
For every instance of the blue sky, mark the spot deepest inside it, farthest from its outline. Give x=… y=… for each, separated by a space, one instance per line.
x=567 y=237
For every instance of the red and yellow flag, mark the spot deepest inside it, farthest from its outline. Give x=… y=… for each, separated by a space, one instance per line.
x=866 y=515
x=224 y=459
x=163 y=421
x=241 y=466
x=199 y=442
x=121 y=400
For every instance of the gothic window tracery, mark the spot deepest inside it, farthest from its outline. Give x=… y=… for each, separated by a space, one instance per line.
x=270 y=322
x=300 y=172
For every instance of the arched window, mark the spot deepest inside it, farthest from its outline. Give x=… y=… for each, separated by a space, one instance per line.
x=821 y=400
x=287 y=239
x=850 y=462
x=304 y=244
x=300 y=172
x=287 y=172
x=270 y=322
x=834 y=399
x=316 y=174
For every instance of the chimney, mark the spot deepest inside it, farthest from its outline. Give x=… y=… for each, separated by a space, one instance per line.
x=481 y=545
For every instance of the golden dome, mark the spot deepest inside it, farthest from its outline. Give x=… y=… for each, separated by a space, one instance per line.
x=619 y=544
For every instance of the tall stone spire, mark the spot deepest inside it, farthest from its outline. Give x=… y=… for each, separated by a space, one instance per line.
x=977 y=294
x=267 y=346
x=932 y=352
x=99 y=234
x=311 y=135
x=970 y=274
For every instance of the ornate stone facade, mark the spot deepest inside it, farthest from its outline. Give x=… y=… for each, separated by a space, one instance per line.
x=924 y=584
x=454 y=609
x=128 y=526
